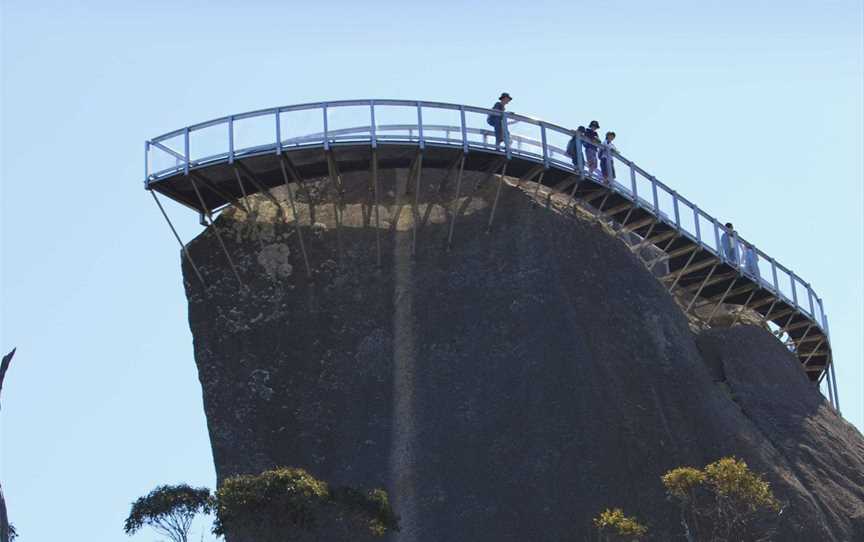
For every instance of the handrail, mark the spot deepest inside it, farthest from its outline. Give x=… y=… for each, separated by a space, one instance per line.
x=707 y=230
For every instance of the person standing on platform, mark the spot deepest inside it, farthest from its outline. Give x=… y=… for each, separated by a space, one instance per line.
x=751 y=261
x=591 y=148
x=497 y=121
x=729 y=244
x=574 y=148
x=608 y=166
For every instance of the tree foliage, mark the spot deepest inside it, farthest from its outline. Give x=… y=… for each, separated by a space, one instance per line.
x=725 y=501
x=291 y=504
x=370 y=509
x=613 y=525
x=169 y=510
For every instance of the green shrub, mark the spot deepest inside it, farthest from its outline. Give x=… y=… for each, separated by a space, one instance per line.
x=731 y=478
x=371 y=508
x=725 y=501
x=291 y=504
x=681 y=482
x=169 y=510
x=612 y=524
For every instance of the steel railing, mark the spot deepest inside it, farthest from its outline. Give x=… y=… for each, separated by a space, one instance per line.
x=375 y=122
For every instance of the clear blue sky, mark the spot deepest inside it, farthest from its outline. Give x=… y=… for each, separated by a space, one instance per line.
x=752 y=109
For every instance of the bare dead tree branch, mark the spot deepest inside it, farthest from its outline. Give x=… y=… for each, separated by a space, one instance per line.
x=4 y=518
x=4 y=366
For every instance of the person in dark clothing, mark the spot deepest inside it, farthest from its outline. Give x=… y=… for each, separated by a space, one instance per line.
x=574 y=148
x=497 y=121
x=607 y=166
x=591 y=148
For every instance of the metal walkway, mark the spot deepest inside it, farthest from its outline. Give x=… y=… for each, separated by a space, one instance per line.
x=211 y=165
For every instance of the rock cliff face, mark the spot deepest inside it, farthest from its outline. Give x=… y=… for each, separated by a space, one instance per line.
x=505 y=390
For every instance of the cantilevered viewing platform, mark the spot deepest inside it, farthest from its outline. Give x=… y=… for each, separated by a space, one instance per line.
x=211 y=165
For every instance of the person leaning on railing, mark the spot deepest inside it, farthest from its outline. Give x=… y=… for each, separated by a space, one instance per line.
x=497 y=121
x=751 y=260
x=593 y=140
x=729 y=244
x=608 y=166
x=574 y=148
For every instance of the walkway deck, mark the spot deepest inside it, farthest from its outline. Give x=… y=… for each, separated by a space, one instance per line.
x=210 y=165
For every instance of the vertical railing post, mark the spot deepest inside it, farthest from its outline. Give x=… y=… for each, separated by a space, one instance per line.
x=654 y=195
x=580 y=160
x=420 y=126
x=774 y=277
x=146 y=164
x=834 y=384
x=373 y=132
x=326 y=129
x=464 y=129
x=610 y=166
x=186 y=150
x=545 y=146
x=677 y=211
x=825 y=319
x=718 y=244
x=231 y=139
x=278 y=133
x=507 y=151
x=810 y=302
x=633 y=187
x=698 y=226
x=824 y=316
x=793 y=279
x=739 y=254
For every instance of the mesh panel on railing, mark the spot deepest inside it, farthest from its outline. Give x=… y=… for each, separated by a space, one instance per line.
x=254 y=133
x=162 y=161
x=666 y=204
x=785 y=283
x=643 y=191
x=708 y=233
x=687 y=218
x=526 y=139
x=210 y=143
x=347 y=123
x=301 y=127
x=817 y=315
x=619 y=174
x=442 y=125
x=393 y=122
x=765 y=276
x=557 y=142
x=480 y=133
x=800 y=290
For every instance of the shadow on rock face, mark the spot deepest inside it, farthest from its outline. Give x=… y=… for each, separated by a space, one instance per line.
x=507 y=389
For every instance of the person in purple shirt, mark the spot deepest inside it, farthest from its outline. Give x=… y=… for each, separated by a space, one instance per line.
x=591 y=148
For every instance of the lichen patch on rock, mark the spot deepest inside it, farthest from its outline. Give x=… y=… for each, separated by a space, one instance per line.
x=275 y=260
